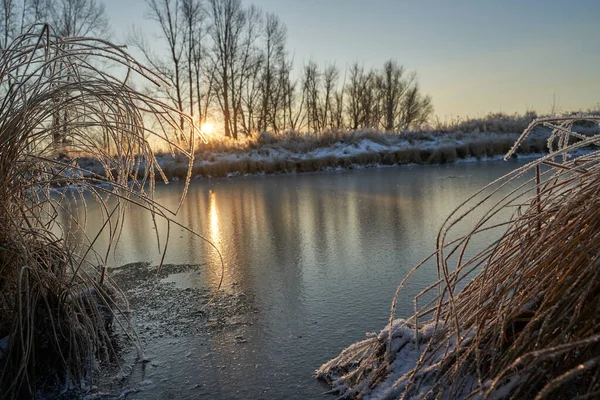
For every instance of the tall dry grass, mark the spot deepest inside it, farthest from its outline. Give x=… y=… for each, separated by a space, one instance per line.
x=517 y=319
x=58 y=308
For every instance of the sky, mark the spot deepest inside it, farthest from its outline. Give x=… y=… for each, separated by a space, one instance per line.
x=472 y=57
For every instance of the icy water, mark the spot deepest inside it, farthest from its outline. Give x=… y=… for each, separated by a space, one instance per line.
x=318 y=257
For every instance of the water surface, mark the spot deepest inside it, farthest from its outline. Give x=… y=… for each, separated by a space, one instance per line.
x=320 y=256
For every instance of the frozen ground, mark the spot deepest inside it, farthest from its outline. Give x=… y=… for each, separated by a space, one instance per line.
x=404 y=364
x=164 y=308
x=308 y=154
x=368 y=150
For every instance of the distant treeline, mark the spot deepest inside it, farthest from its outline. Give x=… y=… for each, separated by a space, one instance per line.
x=228 y=62
x=232 y=60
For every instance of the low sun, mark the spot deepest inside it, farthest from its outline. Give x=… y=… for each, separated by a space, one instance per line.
x=207 y=128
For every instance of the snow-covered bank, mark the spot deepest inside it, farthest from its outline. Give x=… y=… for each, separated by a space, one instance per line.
x=396 y=357
x=393 y=359
x=348 y=154
x=340 y=152
x=404 y=364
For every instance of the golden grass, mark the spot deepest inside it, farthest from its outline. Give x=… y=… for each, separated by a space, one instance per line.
x=212 y=167
x=58 y=308
x=527 y=324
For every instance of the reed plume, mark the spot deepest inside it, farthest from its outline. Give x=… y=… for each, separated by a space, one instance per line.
x=63 y=97
x=516 y=319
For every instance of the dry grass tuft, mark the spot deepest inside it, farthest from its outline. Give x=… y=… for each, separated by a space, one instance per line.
x=58 y=309
x=527 y=324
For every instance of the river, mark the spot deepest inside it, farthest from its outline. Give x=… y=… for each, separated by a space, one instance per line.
x=319 y=257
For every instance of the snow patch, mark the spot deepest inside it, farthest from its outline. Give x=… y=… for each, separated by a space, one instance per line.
x=403 y=359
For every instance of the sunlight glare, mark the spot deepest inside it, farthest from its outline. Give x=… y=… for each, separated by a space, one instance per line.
x=215 y=234
x=207 y=128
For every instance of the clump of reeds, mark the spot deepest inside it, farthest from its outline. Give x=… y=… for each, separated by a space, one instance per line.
x=516 y=319
x=57 y=306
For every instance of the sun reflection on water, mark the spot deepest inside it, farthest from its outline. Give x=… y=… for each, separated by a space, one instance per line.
x=215 y=232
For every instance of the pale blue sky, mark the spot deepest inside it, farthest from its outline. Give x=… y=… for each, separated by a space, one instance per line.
x=472 y=56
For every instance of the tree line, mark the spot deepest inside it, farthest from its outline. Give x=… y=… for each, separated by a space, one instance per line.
x=67 y=17
x=228 y=59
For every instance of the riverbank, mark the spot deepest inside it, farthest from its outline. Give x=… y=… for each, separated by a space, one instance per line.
x=164 y=307
x=350 y=150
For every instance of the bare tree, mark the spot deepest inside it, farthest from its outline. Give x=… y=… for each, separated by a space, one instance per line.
x=310 y=92
x=354 y=90
x=392 y=86
x=183 y=27
x=35 y=11
x=292 y=112
x=8 y=21
x=245 y=67
x=168 y=15
x=275 y=34
x=389 y=99
x=228 y=19
x=69 y=18
x=337 y=110
x=199 y=83
x=416 y=108
x=330 y=78
x=277 y=110
x=368 y=101
x=17 y=15
x=193 y=16
x=78 y=17
x=249 y=113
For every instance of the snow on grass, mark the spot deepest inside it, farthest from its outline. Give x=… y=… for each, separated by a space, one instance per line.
x=403 y=353
x=307 y=153
x=407 y=364
x=367 y=145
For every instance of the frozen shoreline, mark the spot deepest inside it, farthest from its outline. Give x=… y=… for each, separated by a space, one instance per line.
x=362 y=151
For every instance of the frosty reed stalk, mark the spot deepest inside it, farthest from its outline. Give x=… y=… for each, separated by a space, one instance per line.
x=518 y=319
x=58 y=308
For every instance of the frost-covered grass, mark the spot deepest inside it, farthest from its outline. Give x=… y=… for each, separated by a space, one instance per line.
x=472 y=139
x=500 y=122
x=517 y=319
x=294 y=153
x=351 y=150
x=59 y=310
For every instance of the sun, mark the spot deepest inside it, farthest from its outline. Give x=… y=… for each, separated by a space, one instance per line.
x=207 y=128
